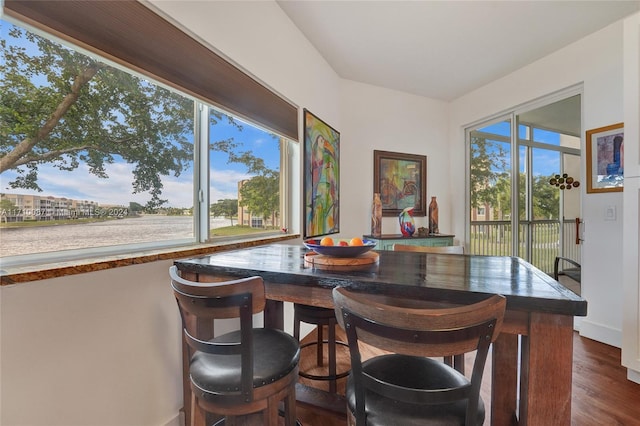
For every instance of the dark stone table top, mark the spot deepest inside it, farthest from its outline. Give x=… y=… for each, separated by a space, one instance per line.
x=407 y=274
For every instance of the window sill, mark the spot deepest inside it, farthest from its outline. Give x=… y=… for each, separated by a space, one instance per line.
x=18 y=275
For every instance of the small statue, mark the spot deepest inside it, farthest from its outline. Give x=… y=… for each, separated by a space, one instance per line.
x=433 y=216
x=423 y=232
x=407 y=225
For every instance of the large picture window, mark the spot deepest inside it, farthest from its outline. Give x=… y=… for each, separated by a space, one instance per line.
x=95 y=156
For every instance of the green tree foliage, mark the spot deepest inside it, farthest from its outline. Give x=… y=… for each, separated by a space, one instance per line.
x=502 y=207
x=63 y=108
x=7 y=208
x=491 y=184
x=135 y=207
x=488 y=165
x=260 y=195
x=546 y=199
x=6 y=204
x=174 y=211
x=227 y=208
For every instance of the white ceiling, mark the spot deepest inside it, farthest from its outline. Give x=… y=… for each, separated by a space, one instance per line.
x=444 y=49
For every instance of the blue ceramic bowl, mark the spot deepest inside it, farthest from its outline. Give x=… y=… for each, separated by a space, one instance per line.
x=340 y=251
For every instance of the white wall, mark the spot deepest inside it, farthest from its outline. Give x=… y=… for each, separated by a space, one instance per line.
x=92 y=349
x=127 y=371
x=596 y=62
x=382 y=119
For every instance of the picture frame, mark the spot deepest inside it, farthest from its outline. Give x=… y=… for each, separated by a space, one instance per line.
x=401 y=181
x=321 y=177
x=605 y=159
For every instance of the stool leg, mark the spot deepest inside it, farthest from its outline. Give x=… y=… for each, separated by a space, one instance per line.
x=290 y=407
x=332 y=356
x=458 y=362
x=271 y=413
x=319 y=353
x=198 y=416
x=296 y=326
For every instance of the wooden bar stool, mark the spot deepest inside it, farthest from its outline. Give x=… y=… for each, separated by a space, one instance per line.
x=321 y=317
x=236 y=374
x=407 y=386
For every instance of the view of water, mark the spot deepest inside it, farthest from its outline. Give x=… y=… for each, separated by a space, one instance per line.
x=146 y=228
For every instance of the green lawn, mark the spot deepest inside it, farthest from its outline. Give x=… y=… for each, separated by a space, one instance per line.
x=226 y=231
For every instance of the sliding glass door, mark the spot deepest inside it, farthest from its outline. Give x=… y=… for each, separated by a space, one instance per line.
x=524 y=194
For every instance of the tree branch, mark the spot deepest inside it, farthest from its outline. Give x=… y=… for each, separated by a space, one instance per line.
x=32 y=158
x=25 y=146
x=52 y=154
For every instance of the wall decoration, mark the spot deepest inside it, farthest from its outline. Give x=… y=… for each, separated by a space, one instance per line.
x=605 y=159
x=564 y=182
x=401 y=180
x=321 y=177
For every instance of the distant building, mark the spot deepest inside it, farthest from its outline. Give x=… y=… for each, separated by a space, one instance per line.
x=23 y=207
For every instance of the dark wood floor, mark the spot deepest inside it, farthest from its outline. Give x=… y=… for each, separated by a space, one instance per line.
x=601 y=393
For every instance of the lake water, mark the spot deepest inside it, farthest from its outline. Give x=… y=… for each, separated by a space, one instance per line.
x=146 y=228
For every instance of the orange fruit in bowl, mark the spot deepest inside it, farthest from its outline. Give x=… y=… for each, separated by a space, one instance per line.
x=356 y=241
x=326 y=241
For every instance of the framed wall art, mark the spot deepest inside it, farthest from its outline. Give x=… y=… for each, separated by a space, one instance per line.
x=401 y=181
x=321 y=177
x=605 y=159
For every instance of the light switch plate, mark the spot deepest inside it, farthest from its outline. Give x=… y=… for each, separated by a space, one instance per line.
x=610 y=213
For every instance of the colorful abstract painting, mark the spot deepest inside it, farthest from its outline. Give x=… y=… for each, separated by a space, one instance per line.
x=321 y=177
x=401 y=181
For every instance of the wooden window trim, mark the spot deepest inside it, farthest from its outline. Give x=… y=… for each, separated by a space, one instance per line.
x=133 y=35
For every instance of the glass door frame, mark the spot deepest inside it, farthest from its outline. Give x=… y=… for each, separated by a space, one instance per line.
x=512 y=116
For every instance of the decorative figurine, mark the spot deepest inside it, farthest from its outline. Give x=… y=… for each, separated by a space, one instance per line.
x=376 y=216
x=407 y=225
x=433 y=216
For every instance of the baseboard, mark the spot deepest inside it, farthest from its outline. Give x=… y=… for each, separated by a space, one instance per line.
x=633 y=375
x=177 y=420
x=601 y=333
x=577 y=322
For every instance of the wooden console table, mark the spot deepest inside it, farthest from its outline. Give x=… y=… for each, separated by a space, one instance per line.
x=386 y=241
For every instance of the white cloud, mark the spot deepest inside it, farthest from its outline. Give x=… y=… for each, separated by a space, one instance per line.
x=224 y=184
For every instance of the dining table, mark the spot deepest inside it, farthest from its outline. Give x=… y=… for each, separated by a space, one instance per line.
x=531 y=360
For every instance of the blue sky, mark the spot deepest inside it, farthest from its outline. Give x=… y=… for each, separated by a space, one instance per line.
x=545 y=162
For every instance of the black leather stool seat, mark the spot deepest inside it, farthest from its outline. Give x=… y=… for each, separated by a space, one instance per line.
x=220 y=374
x=417 y=373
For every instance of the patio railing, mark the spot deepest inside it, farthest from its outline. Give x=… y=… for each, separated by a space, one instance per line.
x=494 y=238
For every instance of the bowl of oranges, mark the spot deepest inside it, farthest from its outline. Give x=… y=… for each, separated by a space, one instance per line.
x=329 y=246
